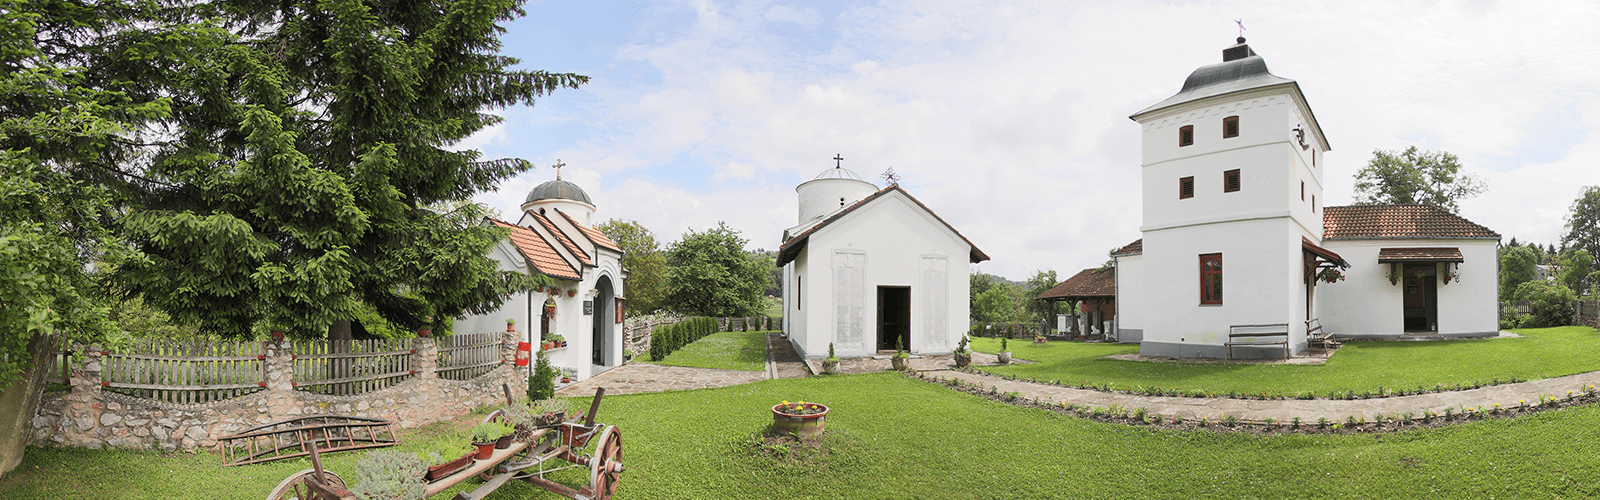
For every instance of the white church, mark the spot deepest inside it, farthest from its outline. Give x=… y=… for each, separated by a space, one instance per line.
x=555 y=237
x=1234 y=235
x=867 y=266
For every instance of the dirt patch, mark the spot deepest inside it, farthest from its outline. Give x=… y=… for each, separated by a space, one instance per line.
x=792 y=454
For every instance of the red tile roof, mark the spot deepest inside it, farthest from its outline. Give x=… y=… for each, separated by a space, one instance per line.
x=596 y=237
x=562 y=236
x=1369 y=222
x=1093 y=282
x=1137 y=247
x=791 y=248
x=1388 y=255
x=540 y=255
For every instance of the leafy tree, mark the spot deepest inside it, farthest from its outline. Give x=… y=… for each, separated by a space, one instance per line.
x=646 y=264
x=1583 y=222
x=712 y=275
x=1576 y=266
x=302 y=169
x=1042 y=281
x=978 y=283
x=1550 y=303
x=1518 y=265
x=1415 y=177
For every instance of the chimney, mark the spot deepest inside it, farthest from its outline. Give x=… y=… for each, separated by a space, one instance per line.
x=1239 y=51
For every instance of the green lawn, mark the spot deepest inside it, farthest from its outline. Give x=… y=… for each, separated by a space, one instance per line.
x=901 y=438
x=1358 y=366
x=727 y=350
x=774 y=307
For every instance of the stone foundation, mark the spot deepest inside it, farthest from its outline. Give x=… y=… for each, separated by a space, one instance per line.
x=87 y=416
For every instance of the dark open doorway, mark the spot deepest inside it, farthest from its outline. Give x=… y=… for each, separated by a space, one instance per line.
x=894 y=316
x=600 y=346
x=1421 y=298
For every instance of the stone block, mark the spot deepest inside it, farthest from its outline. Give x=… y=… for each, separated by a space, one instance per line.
x=195 y=433
x=109 y=419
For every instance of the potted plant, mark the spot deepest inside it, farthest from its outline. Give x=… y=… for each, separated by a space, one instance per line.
x=389 y=474
x=550 y=412
x=546 y=345
x=511 y=324
x=1005 y=352
x=557 y=340
x=521 y=419
x=1039 y=339
x=507 y=435
x=441 y=465
x=900 y=359
x=830 y=365
x=962 y=355
x=484 y=436
x=572 y=292
x=799 y=418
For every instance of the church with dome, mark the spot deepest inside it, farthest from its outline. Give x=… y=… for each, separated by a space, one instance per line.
x=867 y=267
x=555 y=237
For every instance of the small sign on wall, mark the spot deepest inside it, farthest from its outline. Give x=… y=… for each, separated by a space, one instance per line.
x=588 y=308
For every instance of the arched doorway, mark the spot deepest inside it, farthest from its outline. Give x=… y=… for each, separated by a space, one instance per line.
x=601 y=344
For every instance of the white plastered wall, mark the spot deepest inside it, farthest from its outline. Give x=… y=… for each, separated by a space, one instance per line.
x=1366 y=304
x=1131 y=310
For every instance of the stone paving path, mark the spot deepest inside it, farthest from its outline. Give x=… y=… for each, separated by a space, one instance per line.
x=1283 y=410
x=639 y=377
x=782 y=361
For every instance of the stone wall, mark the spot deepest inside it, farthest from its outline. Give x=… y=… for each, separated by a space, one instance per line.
x=87 y=416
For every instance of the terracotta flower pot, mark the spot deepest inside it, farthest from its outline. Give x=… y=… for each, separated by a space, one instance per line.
x=572 y=293
x=547 y=345
x=276 y=336
x=504 y=441
x=424 y=332
x=485 y=450
x=801 y=425
x=445 y=469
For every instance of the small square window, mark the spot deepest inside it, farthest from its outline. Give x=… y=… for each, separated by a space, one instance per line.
x=1230 y=181
x=1186 y=136
x=1186 y=188
x=1230 y=127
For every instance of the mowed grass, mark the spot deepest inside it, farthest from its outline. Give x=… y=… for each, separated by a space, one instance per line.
x=1357 y=366
x=726 y=350
x=900 y=438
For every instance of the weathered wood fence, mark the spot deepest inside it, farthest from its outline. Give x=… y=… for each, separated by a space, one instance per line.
x=346 y=367
x=183 y=372
x=465 y=357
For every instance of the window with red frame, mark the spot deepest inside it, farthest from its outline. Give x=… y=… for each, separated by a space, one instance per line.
x=1211 y=279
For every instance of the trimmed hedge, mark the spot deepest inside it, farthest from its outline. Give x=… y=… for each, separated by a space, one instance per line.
x=669 y=338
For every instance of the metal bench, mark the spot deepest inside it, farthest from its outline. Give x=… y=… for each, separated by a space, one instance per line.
x=1245 y=335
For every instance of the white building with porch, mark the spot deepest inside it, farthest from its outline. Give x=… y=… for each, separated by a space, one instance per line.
x=555 y=237
x=865 y=267
x=1234 y=234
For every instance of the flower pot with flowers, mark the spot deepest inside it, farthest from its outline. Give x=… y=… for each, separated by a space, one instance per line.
x=900 y=359
x=962 y=356
x=799 y=418
x=830 y=365
x=1005 y=352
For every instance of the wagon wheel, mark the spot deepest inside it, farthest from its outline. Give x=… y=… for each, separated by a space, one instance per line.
x=605 y=469
x=294 y=487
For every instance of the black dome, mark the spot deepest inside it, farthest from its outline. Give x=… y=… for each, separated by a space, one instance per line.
x=558 y=189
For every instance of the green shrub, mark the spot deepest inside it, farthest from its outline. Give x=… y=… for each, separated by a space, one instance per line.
x=1512 y=319
x=542 y=384
x=1551 y=303
x=385 y=474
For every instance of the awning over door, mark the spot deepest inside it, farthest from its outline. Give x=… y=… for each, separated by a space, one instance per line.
x=1419 y=255
x=1322 y=253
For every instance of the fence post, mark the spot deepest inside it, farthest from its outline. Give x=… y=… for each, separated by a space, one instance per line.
x=86 y=397
x=278 y=365
x=425 y=357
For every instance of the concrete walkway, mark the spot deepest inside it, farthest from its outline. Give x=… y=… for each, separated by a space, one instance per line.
x=634 y=377
x=1283 y=410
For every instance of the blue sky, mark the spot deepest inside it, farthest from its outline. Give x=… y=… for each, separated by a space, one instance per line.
x=1009 y=119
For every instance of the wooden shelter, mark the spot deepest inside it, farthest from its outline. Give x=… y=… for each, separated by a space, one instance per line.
x=1093 y=290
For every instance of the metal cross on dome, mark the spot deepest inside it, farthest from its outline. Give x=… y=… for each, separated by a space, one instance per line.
x=891 y=178
x=1240 y=22
x=837 y=160
x=558 y=166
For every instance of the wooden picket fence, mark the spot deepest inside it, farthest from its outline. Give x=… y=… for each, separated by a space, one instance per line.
x=182 y=372
x=467 y=356
x=348 y=367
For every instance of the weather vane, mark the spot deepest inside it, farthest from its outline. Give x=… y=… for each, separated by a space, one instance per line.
x=891 y=178
x=837 y=160
x=1240 y=22
x=558 y=166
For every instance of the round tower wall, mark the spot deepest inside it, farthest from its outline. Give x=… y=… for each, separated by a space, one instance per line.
x=822 y=196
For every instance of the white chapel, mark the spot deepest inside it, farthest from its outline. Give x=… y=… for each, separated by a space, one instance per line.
x=867 y=266
x=556 y=237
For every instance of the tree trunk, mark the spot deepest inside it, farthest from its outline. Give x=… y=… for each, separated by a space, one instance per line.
x=18 y=403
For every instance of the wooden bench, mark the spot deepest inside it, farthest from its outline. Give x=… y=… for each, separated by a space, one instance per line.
x=1315 y=333
x=1245 y=335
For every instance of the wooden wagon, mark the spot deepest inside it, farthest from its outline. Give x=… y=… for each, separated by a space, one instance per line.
x=528 y=461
